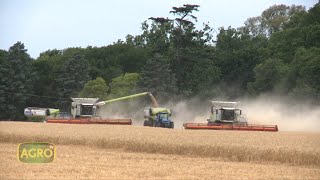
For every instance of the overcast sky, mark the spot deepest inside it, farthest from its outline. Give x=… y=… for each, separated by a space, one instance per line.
x=59 y=24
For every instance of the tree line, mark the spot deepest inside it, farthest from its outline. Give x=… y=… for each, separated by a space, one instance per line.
x=277 y=52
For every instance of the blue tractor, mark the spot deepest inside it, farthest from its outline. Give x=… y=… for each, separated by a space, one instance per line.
x=158 y=117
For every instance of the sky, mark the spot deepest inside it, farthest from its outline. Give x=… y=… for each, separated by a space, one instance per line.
x=59 y=24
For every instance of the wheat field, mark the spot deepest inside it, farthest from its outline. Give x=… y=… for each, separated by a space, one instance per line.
x=132 y=152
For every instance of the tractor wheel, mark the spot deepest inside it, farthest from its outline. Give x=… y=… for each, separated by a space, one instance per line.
x=172 y=125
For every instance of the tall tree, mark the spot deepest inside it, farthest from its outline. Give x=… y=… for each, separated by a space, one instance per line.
x=158 y=78
x=16 y=82
x=198 y=71
x=289 y=62
x=237 y=53
x=272 y=20
x=185 y=46
x=74 y=75
x=191 y=53
x=4 y=84
x=157 y=35
x=48 y=67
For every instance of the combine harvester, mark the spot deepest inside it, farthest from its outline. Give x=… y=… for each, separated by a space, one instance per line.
x=82 y=112
x=227 y=116
x=85 y=110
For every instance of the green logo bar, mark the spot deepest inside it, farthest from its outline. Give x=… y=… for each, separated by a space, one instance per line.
x=36 y=152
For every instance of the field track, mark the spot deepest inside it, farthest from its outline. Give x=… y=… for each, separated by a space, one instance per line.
x=103 y=151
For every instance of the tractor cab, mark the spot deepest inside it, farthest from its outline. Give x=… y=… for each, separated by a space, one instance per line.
x=163 y=118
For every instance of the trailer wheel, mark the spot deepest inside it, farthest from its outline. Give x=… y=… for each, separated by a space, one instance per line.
x=146 y=123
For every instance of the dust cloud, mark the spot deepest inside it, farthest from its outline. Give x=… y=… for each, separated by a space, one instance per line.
x=127 y=109
x=287 y=114
x=192 y=110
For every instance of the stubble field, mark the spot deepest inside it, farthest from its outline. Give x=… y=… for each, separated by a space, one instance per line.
x=132 y=152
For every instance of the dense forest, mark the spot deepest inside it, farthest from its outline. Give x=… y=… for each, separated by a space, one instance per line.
x=277 y=52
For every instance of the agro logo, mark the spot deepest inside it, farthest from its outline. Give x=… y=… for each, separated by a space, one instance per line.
x=36 y=152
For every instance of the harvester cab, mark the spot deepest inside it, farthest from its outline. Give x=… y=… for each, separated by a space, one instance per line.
x=83 y=107
x=158 y=117
x=226 y=113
